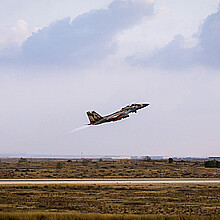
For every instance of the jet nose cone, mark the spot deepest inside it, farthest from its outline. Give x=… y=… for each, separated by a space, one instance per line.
x=145 y=105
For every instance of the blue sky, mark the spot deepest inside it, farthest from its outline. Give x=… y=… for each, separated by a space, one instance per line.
x=59 y=59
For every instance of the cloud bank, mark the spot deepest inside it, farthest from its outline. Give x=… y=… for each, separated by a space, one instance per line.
x=91 y=37
x=87 y=38
x=175 y=55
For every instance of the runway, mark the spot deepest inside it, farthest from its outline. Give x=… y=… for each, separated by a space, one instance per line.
x=106 y=181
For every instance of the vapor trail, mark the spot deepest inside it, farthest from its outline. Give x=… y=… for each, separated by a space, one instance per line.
x=79 y=128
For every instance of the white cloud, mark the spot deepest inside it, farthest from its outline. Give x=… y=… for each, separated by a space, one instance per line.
x=177 y=54
x=89 y=37
x=16 y=34
x=143 y=38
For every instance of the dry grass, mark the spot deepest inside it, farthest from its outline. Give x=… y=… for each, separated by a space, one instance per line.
x=106 y=169
x=63 y=201
x=70 y=216
x=162 y=199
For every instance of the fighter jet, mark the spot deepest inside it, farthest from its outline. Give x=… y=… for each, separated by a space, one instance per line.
x=96 y=119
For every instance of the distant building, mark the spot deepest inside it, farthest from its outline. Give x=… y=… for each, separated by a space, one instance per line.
x=137 y=157
x=166 y=158
x=159 y=157
x=121 y=158
x=156 y=157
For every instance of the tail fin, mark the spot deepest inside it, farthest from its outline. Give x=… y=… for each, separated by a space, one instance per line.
x=93 y=117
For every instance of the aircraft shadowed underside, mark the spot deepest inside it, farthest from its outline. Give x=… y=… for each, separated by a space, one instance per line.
x=96 y=119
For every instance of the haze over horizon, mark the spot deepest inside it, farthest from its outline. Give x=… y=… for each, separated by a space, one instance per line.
x=59 y=59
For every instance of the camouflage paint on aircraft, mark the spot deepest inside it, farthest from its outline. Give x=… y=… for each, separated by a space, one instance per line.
x=96 y=119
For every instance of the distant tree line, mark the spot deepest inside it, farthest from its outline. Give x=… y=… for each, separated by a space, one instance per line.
x=212 y=164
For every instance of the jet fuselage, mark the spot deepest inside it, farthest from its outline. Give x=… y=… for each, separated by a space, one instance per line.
x=96 y=119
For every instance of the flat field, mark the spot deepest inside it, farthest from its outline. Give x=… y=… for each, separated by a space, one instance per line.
x=147 y=201
x=77 y=216
x=163 y=199
x=33 y=168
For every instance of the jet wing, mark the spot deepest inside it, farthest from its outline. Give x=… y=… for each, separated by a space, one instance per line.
x=113 y=116
x=117 y=116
